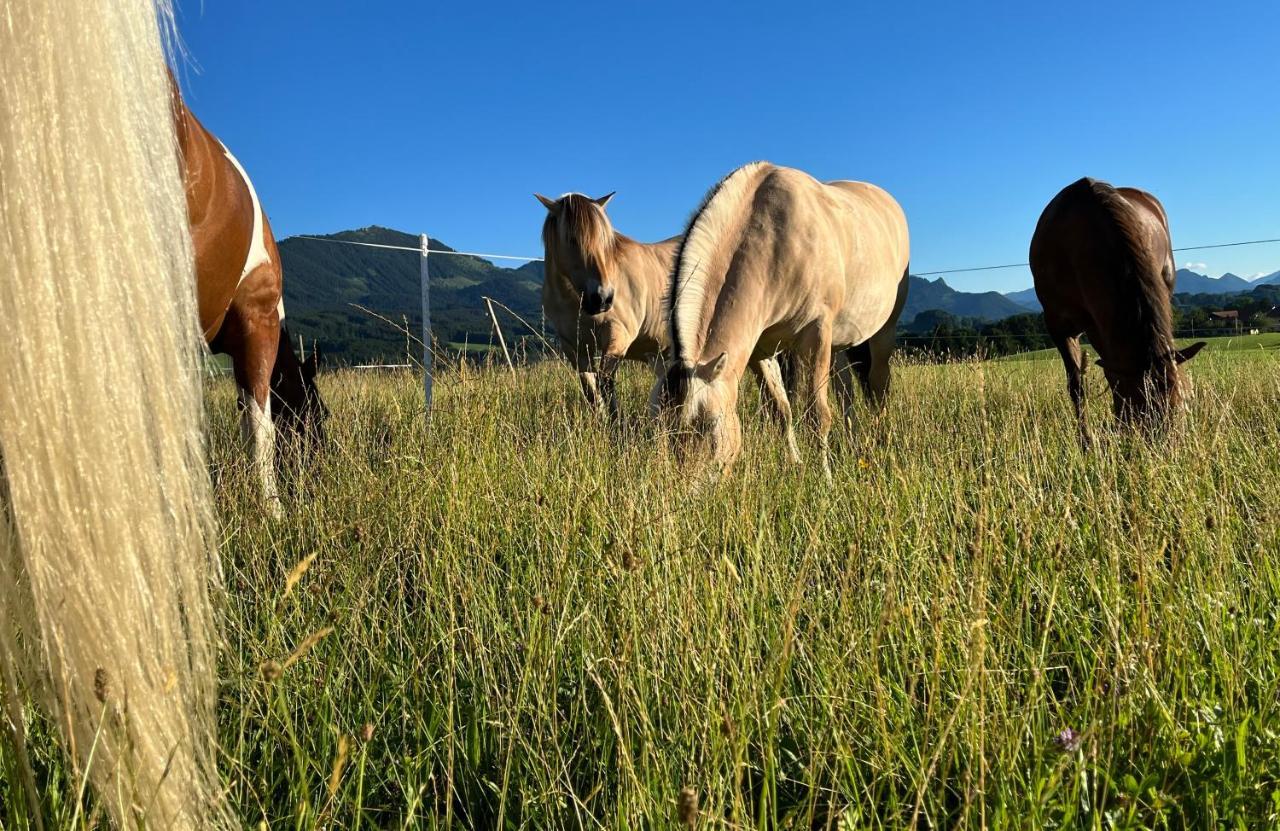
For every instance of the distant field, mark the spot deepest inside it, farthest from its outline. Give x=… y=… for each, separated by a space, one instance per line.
x=1268 y=340
x=522 y=618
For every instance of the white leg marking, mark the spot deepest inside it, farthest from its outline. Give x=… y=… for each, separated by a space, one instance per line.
x=592 y=390
x=258 y=431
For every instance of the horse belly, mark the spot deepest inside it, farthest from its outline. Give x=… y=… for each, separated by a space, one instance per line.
x=865 y=312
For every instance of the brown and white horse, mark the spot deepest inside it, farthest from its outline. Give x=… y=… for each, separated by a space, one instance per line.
x=240 y=292
x=606 y=296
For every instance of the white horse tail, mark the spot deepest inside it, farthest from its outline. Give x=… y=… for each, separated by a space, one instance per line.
x=106 y=560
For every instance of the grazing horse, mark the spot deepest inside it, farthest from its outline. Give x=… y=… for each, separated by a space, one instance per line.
x=606 y=297
x=776 y=260
x=1103 y=266
x=107 y=555
x=239 y=288
x=603 y=292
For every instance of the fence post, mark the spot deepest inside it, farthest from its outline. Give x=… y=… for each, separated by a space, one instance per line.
x=426 y=326
x=501 y=339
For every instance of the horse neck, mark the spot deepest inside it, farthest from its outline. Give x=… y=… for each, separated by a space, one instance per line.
x=734 y=312
x=647 y=265
x=705 y=257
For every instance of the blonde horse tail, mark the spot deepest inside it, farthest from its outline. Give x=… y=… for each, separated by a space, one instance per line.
x=106 y=564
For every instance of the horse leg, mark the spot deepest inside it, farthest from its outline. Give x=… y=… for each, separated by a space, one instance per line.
x=816 y=352
x=606 y=381
x=1073 y=361
x=875 y=375
x=659 y=368
x=590 y=388
x=252 y=363
x=859 y=360
x=589 y=378
x=774 y=393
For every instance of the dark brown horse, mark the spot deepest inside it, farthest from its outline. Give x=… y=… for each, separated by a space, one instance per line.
x=239 y=289
x=1103 y=266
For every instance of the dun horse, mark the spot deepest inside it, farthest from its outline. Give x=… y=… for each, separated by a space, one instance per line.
x=1103 y=266
x=606 y=297
x=776 y=260
x=239 y=288
x=106 y=531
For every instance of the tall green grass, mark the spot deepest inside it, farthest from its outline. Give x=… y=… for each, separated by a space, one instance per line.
x=522 y=617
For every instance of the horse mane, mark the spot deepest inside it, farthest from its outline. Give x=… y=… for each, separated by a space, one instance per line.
x=1141 y=266
x=580 y=219
x=704 y=233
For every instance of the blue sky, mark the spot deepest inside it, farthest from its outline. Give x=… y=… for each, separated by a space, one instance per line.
x=446 y=117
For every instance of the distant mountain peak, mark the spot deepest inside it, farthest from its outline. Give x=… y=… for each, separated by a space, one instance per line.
x=1191 y=282
x=924 y=295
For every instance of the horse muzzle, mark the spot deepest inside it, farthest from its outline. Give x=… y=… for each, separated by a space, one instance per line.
x=597 y=301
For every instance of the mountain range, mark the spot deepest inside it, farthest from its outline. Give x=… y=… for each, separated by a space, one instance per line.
x=1186 y=282
x=356 y=302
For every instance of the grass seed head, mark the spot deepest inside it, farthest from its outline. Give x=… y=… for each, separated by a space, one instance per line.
x=101 y=685
x=687 y=807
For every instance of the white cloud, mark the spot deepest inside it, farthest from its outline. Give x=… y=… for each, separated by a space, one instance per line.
x=1198 y=267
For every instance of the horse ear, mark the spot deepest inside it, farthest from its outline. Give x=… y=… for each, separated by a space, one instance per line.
x=711 y=370
x=604 y=200
x=1184 y=355
x=549 y=204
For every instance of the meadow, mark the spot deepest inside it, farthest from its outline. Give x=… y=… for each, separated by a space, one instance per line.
x=520 y=616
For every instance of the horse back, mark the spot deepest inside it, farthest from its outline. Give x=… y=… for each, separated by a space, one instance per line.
x=223 y=215
x=1099 y=256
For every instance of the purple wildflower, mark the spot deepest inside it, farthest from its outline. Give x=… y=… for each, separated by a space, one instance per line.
x=1068 y=741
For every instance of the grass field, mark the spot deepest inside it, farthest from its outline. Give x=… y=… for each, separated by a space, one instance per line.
x=1242 y=343
x=523 y=618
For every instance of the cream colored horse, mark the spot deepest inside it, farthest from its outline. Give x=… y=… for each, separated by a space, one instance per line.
x=775 y=260
x=606 y=297
x=106 y=528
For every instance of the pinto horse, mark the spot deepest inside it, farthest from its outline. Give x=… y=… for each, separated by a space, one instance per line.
x=239 y=288
x=1103 y=266
x=775 y=260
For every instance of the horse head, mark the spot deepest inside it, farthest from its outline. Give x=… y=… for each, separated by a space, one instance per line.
x=301 y=411
x=580 y=247
x=698 y=403
x=1148 y=396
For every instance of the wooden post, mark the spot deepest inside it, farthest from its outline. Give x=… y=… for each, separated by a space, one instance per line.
x=501 y=339
x=426 y=326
